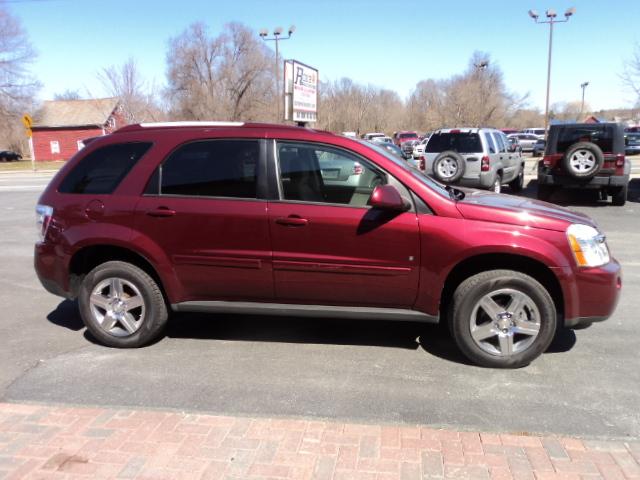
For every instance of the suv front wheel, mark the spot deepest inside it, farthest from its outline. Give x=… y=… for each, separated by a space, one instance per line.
x=502 y=318
x=122 y=306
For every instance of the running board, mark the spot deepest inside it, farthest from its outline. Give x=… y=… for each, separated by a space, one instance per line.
x=295 y=310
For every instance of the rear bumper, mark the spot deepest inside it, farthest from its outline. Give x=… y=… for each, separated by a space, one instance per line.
x=565 y=181
x=51 y=270
x=590 y=294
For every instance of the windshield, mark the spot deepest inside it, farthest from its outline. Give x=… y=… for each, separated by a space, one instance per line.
x=408 y=135
x=463 y=142
x=430 y=182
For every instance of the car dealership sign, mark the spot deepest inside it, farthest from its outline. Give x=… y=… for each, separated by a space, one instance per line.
x=300 y=92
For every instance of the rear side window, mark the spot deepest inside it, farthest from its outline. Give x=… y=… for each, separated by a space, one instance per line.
x=600 y=135
x=489 y=140
x=462 y=142
x=212 y=168
x=101 y=171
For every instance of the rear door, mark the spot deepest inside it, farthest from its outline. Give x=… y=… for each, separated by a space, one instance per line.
x=329 y=246
x=203 y=208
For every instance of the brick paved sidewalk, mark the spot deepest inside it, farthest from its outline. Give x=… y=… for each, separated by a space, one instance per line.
x=49 y=442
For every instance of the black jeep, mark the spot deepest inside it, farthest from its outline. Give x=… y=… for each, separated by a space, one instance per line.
x=585 y=155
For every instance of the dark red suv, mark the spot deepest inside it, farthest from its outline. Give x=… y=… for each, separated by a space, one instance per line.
x=256 y=218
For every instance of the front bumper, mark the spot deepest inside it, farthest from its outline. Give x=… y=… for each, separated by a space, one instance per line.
x=565 y=181
x=590 y=294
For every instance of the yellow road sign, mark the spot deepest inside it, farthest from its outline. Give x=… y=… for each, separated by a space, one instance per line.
x=28 y=132
x=27 y=121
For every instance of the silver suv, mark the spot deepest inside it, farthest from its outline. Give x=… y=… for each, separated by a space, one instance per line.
x=474 y=157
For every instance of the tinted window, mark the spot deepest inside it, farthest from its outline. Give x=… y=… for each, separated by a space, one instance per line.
x=598 y=134
x=489 y=140
x=101 y=171
x=314 y=173
x=212 y=168
x=460 y=142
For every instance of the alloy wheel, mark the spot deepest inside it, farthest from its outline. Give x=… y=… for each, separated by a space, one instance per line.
x=582 y=161
x=117 y=306
x=505 y=322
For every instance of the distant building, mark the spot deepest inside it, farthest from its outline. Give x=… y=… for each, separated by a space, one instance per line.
x=60 y=126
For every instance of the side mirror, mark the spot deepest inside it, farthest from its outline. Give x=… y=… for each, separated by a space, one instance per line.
x=387 y=197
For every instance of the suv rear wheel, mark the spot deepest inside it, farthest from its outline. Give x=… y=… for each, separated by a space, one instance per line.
x=122 y=306
x=502 y=318
x=619 y=196
x=517 y=183
x=583 y=160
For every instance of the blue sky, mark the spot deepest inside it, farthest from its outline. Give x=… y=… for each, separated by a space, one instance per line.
x=385 y=43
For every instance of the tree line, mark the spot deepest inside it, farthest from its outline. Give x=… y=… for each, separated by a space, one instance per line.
x=230 y=76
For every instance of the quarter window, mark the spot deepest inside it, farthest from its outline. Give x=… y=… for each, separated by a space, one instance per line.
x=212 y=168
x=313 y=173
x=101 y=171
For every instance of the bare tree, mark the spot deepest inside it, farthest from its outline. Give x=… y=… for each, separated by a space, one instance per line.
x=68 y=95
x=17 y=87
x=631 y=74
x=225 y=77
x=136 y=97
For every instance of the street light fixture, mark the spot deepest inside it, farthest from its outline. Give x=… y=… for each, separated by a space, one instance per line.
x=551 y=15
x=584 y=87
x=277 y=32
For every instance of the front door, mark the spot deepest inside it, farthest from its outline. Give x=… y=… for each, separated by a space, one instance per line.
x=329 y=246
x=202 y=209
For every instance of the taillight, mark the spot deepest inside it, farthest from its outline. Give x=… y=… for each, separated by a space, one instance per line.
x=485 y=164
x=43 y=219
x=357 y=169
x=619 y=160
x=423 y=164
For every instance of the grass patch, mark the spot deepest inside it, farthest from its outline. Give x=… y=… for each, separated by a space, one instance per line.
x=25 y=165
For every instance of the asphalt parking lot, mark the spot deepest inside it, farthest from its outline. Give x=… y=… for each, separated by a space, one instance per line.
x=587 y=384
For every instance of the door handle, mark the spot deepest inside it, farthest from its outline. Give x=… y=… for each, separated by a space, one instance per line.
x=161 y=212
x=292 y=221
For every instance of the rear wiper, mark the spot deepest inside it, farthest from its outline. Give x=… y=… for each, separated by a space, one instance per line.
x=454 y=193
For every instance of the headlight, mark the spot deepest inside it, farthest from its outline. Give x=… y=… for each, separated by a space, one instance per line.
x=588 y=245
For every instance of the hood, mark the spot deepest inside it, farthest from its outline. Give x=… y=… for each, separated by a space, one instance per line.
x=494 y=207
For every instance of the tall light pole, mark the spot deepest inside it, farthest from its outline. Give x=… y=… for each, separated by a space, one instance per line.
x=584 y=87
x=551 y=15
x=277 y=32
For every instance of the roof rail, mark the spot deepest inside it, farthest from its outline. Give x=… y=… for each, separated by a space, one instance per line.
x=140 y=126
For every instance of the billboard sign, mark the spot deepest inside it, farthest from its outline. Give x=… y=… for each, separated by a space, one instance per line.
x=300 y=92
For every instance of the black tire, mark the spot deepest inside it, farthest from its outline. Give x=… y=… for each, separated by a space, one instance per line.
x=619 y=196
x=544 y=192
x=453 y=157
x=517 y=184
x=155 y=310
x=475 y=288
x=592 y=153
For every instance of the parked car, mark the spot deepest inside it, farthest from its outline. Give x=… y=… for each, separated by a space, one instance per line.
x=393 y=149
x=383 y=139
x=514 y=144
x=476 y=157
x=400 y=137
x=509 y=131
x=371 y=136
x=538 y=148
x=268 y=219
x=538 y=132
x=585 y=155
x=408 y=146
x=418 y=148
x=525 y=140
x=631 y=143
x=9 y=156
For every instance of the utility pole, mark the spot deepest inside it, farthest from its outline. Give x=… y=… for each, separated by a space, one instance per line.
x=277 y=32
x=584 y=87
x=551 y=15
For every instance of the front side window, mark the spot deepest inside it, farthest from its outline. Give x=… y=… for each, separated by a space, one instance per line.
x=102 y=170
x=315 y=173
x=212 y=168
